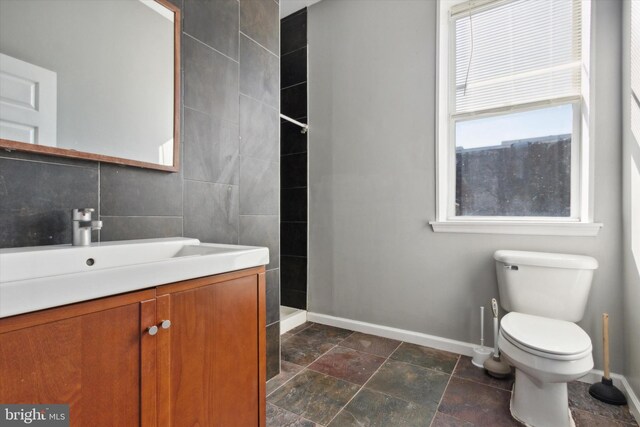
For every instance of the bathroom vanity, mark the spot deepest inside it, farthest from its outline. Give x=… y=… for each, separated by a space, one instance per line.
x=189 y=352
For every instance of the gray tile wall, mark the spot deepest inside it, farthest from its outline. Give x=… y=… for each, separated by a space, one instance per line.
x=227 y=190
x=293 y=165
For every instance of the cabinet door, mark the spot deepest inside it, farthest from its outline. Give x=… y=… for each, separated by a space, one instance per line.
x=90 y=361
x=215 y=355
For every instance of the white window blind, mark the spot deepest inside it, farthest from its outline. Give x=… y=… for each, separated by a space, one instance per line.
x=516 y=52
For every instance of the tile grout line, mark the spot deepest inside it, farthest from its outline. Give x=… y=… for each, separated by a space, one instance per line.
x=259 y=101
x=293 y=85
x=452 y=374
x=237 y=61
x=424 y=367
x=303 y=367
x=366 y=382
x=53 y=162
x=293 y=413
x=361 y=387
x=387 y=359
x=259 y=44
x=292 y=51
x=445 y=390
x=214 y=116
x=479 y=383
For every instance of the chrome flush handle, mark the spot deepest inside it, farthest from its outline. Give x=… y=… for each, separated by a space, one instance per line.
x=511 y=267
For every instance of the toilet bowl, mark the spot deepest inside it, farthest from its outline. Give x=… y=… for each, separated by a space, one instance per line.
x=545 y=293
x=547 y=354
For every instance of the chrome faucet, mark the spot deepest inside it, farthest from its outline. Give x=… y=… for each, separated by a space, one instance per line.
x=83 y=225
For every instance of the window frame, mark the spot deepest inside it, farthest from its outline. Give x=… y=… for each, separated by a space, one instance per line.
x=580 y=222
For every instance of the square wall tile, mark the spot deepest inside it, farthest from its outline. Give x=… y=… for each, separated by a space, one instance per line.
x=259 y=130
x=293 y=170
x=129 y=191
x=210 y=148
x=293 y=68
x=294 y=101
x=139 y=227
x=293 y=271
x=292 y=141
x=273 y=350
x=259 y=19
x=259 y=187
x=293 y=32
x=259 y=73
x=293 y=298
x=211 y=212
x=273 y=296
x=262 y=230
x=210 y=81
x=36 y=200
x=214 y=22
x=293 y=205
x=293 y=238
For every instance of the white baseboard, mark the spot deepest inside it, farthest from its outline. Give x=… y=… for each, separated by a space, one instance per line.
x=292 y=320
x=419 y=338
x=458 y=347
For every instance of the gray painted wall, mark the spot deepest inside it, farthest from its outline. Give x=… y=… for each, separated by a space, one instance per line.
x=631 y=216
x=373 y=256
x=227 y=190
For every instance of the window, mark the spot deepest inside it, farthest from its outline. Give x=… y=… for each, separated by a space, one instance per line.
x=512 y=132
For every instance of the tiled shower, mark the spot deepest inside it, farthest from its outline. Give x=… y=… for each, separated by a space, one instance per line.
x=293 y=165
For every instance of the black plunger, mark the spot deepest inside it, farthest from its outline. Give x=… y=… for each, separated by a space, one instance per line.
x=605 y=391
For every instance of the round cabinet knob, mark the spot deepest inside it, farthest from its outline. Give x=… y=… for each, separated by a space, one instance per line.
x=166 y=324
x=152 y=330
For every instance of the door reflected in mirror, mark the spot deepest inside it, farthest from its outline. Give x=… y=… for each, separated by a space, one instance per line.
x=95 y=79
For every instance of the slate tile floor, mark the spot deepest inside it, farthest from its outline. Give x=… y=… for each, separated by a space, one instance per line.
x=338 y=378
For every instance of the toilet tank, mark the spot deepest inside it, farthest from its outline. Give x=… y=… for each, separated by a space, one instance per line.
x=544 y=284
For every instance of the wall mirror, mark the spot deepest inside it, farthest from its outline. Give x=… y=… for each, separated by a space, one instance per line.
x=91 y=79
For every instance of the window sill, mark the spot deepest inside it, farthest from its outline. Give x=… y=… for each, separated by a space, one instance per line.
x=583 y=229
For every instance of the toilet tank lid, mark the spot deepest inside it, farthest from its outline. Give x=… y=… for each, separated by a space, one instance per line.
x=546 y=259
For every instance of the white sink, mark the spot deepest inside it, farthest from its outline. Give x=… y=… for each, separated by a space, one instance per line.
x=39 y=277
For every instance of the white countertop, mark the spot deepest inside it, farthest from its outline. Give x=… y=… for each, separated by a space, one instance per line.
x=39 y=277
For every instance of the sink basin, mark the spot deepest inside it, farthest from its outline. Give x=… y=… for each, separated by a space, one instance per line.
x=39 y=277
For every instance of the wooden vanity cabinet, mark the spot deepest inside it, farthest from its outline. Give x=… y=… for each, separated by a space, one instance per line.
x=206 y=366
x=214 y=351
x=87 y=355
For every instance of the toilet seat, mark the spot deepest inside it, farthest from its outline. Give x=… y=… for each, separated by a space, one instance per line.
x=549 y=338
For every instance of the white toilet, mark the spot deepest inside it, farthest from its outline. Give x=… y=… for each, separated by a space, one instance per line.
x=544 y=293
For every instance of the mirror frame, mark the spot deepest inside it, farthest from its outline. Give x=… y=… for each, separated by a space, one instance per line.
x=10 y=145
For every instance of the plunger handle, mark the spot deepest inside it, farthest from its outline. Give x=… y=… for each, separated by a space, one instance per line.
x=605 y=343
